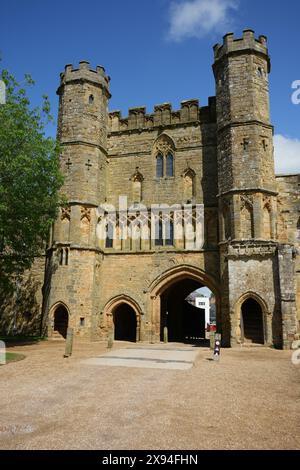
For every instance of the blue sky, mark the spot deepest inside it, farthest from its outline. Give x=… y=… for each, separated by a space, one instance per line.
x=154 y=50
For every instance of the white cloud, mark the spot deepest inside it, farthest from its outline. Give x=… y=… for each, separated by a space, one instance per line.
x=287 y=155
x=196 y=18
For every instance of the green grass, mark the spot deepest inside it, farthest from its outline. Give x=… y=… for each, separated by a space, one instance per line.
x=13 y=357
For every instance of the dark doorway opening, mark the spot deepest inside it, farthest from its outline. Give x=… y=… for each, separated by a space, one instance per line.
x=185 y=322
x=125 y=323
x=61 y=321
x=252 y=322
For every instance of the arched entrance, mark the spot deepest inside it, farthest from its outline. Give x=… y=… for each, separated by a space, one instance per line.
x=123 y=317
x=61 y=320
x=252 y=322
x=125 y=323
x=185 y=322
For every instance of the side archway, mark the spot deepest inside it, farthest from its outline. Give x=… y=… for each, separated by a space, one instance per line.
x=59 y=319
x=123 y=317
x=251 y=314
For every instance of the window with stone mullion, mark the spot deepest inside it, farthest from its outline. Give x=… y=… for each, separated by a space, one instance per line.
x=170 y=166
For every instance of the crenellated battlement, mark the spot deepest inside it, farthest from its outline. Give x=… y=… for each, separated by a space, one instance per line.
x=248 y=42
x=163 y=115
x=84 y=73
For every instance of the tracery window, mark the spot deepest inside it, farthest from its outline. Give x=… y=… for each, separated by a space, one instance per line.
x=164 y=151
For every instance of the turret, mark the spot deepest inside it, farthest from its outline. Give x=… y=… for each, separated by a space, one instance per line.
x=82 y=131
x=247 y=187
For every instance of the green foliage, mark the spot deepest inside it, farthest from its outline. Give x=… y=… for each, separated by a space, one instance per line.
x=30 y=180
x=13 y=357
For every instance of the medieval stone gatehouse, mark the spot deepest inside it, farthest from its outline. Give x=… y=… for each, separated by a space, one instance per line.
x=219 y=156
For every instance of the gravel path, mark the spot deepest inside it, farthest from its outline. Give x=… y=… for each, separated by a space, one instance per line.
x=251 y=400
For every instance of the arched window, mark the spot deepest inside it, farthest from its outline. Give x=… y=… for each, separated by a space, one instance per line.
x=170 y=166
x=159 y=166
x=91 y=99
x=164 y=151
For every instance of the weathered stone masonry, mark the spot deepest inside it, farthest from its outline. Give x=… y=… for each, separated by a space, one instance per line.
x=222 y=158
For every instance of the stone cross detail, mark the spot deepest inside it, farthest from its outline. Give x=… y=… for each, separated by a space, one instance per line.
x=245 y=144
x=88 y=165
x=69 y=164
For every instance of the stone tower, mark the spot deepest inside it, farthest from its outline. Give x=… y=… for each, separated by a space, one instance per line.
x=82 y=133
x=247 y=184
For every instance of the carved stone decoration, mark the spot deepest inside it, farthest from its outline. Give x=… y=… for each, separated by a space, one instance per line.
x=164 y=145
x=184 y=140
x=188 y=173
x=137 y=176
x=163 y=107
x=267 y=202
x=246 y=200
x=65 y=213
x=85 y=213
x=249 y=251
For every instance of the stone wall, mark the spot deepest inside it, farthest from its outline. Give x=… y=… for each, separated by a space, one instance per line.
x=192 y=143
x=289 y=220
x=131 y=275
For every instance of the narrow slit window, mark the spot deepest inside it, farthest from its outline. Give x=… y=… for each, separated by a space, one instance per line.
x=61 y=257
x=109 y=235
x=159 y=241
x=67 y=257
x=170 y=232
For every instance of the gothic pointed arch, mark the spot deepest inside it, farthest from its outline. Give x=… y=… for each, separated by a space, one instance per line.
x=164 y=154
x=267 y=220
x=137 y=183
x=247 y=218
x=59 y=319
x=65 y=223
x=114 y=311
x=85 y=220
x=188 y=177
x=251 y=313
x=164 y=144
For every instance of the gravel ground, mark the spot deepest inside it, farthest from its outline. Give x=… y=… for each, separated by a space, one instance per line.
x=250 y=400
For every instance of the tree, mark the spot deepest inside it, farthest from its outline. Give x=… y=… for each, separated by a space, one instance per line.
x=30 y=180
